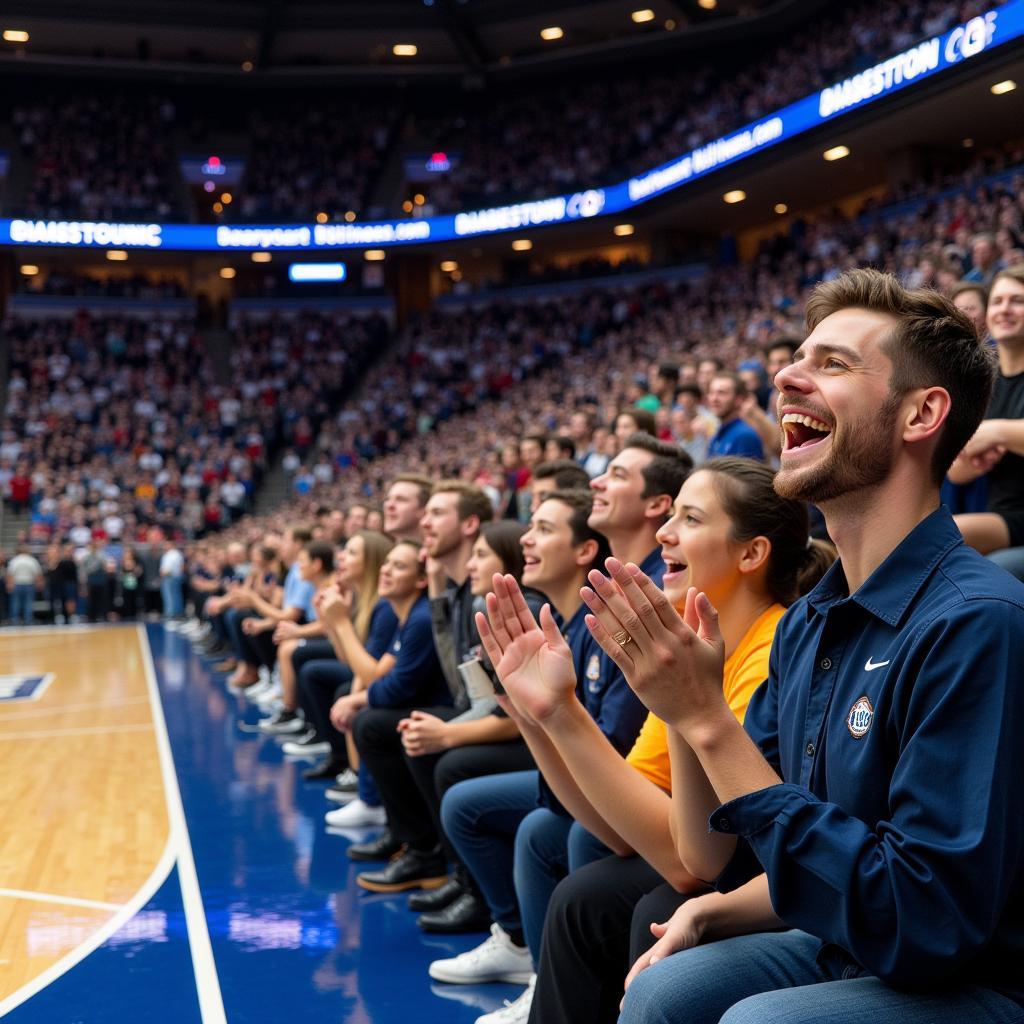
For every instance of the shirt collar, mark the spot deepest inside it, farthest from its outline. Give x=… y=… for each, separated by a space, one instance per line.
x=889 y=590
x=652 y=562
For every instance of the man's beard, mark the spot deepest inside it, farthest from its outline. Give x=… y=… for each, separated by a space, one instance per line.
x=859 y=458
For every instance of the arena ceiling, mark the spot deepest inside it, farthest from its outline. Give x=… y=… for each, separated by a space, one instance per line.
x=308 y=39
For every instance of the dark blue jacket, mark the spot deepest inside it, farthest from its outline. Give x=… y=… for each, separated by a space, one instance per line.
x=416 y=679
x=894 y=717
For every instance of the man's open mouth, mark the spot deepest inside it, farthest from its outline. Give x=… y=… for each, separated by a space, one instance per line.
x=802 y=431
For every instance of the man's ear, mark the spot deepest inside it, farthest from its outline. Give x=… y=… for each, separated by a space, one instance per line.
x=927 y=415
x=586 y=552
x=659 y=507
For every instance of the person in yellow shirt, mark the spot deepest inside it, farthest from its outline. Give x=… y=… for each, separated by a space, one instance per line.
x=750 y=551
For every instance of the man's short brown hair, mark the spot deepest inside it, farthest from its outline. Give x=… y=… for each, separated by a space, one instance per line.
x=471 y=500
x=424 y=483
x=932 y=344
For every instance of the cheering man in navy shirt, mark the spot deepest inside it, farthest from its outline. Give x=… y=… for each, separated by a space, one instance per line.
x=872 y=807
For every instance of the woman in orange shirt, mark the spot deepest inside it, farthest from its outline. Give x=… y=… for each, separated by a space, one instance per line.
x=749 y=550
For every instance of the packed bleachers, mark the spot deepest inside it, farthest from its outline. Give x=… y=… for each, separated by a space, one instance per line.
x=120 y=424
x=308 y=158
x=113 y=157
x=99 y=156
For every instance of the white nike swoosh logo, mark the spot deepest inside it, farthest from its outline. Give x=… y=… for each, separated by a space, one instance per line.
x=870 y=666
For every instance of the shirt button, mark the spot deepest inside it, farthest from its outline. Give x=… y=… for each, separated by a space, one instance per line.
x=810 y=750
x=724 y=825
x=826 y=664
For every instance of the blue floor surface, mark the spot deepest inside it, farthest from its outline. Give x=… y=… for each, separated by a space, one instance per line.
x=292 y=935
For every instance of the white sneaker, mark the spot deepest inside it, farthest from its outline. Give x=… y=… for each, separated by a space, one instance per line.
x=496 y=959
x=267 y=698
x=356 y=815
x=257 y=690
x=517 y=1012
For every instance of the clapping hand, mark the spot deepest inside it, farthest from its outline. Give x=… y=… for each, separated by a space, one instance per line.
x=532 y=661
x=673 y=663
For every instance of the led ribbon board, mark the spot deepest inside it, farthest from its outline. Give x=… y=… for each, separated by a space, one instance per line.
x=921 y=61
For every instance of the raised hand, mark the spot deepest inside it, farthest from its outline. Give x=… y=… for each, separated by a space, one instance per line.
x=674 y=664
x=336 y=604
x=532 y=661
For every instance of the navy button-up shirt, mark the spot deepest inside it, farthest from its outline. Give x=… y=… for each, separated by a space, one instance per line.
x=895 y=717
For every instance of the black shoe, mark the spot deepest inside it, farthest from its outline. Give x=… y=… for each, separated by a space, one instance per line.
x=384 y=847
x=436 y=899
x=327 y=769
x=468 y=913
x=414 y=869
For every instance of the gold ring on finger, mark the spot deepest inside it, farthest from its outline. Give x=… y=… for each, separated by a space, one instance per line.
x=622 y=638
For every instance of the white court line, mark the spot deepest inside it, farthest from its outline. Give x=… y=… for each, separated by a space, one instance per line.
x=211 y=1002
x=98 y=937
x=70 y=901
x=145 y=893
x=93 y=730
x=96 y=705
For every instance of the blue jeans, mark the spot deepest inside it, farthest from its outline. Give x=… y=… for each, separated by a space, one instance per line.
x=774 y=976
x=480 y=817
x=173 y=597
x=1010 y=559
x=22 y=597
x=548 y=846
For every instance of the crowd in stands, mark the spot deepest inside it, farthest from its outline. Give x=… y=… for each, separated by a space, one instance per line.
x=85 y=447
x=116 y=431
x=99 y=156
x=525 y=146
x=306 y=159
x=111 y=157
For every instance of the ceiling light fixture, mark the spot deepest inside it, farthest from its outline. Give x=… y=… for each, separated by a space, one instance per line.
x=640 y=17
x=836 y=153
x=405 y=49
x=1000 y=88
x=552 y=33
x=737 y=195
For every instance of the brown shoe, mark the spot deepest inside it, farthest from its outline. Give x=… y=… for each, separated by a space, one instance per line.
x=414 y=869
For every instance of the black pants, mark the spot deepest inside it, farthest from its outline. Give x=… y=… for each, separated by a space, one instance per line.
x=98 y=603
x=321 y=682
x=435 y=774
x=375 y=731
x=259 y=649
x=589 y=940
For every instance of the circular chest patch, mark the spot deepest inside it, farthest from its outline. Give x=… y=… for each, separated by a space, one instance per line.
x=858 y=721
